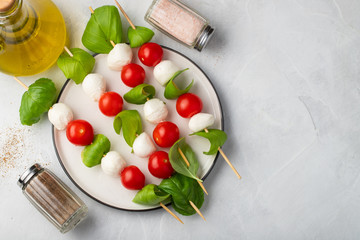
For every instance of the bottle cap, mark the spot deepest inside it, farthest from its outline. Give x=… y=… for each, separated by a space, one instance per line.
x=6 y=5
x=204 y=38
x=28 y=175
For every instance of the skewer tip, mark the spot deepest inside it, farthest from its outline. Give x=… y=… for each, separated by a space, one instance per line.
x=68 y=51
x=21 y=83
x=112 y=43
x=203 y=187
x=197 y=210
x=229 y=163
x=171 y=213
x=125 y=15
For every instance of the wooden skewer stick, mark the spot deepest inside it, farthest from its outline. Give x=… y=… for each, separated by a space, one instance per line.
x=169 y=211
x=226 y=159
x=196 y=209
x=112 y=43
x=188 y=165
x=91 y=10
x=68 y=51
x=126 y=16
x=228 y=162
x=202 y=186
x=184 y=157
x=21 y=83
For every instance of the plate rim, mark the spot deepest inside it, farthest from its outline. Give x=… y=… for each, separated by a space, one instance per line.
x=125 y=209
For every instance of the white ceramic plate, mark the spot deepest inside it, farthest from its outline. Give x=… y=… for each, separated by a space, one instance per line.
x=109 y=190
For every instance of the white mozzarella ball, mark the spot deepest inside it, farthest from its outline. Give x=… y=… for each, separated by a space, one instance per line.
x=164 y=71
x=201 y=121
x=119 y=56
x=113 y=163
x=60 y=115
x=143 y=145
x=94 y=85
x=155 y=110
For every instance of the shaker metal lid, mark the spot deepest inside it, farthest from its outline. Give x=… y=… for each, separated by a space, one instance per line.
x=204 y=38
x=6 y=5
x=28 y=174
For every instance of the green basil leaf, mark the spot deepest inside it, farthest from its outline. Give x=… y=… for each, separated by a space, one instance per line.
x=140 y=94
x=150 y=195
x=92 y=154
x=37 y=100
x=139 y=36
x=104 y=25
x=182 y=190
x=172 y=91
x=78 y=66
x=178 y=163
x=216 y=137
x=130 y=122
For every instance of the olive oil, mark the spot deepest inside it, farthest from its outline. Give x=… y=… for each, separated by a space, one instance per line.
x=32 y=36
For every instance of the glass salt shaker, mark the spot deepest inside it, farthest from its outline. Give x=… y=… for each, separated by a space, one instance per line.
x=180 y=22
x=61 y=206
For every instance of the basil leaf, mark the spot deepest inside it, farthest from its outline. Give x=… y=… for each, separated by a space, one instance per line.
x=37 y=100
x=104 y=25
x=150 y=195
x=172 y=91
x=178 y=163
x=182 y=190
x=216 y=137
x=92 y=154
x=140 y=94
x=139 y=36
x=130 y=122
x=78 y=66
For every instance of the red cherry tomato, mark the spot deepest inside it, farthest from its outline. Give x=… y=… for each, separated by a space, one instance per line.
x=132 y=75
x=159 y=165
x=110 y=103
x=188 y=105
x=150 y=54
x=132 y=178
x=80 y=132
x=166 y=134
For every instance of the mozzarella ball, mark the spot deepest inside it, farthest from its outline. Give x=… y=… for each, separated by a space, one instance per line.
x=119 y=56
x=94 y=85
x=201 y=121
x=155 y=110
x=60 y=115
x=113 y=163
x=143 y=145
x=164 y=71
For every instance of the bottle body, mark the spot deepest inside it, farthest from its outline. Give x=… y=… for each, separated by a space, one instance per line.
x=180 y=22
x=52 y=198
x=31 y=37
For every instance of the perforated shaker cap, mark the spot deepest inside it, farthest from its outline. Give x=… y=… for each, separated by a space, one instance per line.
x=6 y=5
x=28 y=175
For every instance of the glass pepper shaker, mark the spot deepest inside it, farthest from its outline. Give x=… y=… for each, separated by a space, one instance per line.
x=180 y=22
x=61 y=206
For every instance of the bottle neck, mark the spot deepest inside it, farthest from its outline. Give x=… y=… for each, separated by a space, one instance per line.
x=18 y=23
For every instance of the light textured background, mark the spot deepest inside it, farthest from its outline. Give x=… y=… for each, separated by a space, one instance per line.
x=287 y=72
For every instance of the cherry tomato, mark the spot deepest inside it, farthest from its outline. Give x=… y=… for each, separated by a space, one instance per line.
x=132 y=178
x=110 y=103
x=166 y=134
x=132 y=75
x=188 y=104
x=150 y=54
x=80 y=132
x=159 y=165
